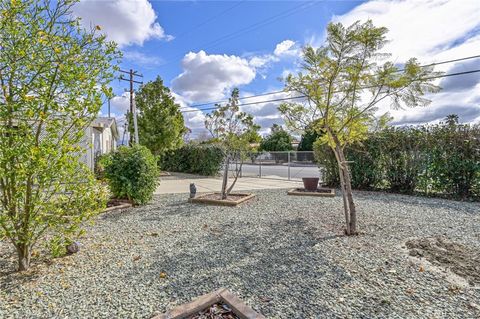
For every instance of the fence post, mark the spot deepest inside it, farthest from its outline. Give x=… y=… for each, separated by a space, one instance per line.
x=260 y=168
x=288 y=165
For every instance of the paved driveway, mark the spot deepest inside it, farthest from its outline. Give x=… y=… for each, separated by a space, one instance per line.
x=180 y=183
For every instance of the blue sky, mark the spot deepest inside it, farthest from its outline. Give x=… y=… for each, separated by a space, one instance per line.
x=202 y=25
x=202 y=49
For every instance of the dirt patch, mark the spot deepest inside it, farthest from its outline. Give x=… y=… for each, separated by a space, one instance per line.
x=440 y=251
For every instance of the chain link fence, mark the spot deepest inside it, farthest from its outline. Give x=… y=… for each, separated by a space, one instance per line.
x=291 y=165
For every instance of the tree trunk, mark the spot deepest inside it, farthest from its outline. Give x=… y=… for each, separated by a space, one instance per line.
x=346 y=185
x=344 y=197
x=344 y=171
x=351 y=204
x=24 y=256
x=344 y=192
x=225 y=177
x=237 y=173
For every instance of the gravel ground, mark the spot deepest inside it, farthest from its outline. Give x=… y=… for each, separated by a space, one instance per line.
x=285 y=256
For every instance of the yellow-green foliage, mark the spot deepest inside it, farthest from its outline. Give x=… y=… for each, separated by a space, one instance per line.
x=54 y=77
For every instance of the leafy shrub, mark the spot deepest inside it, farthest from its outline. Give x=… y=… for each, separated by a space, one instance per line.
x=365 y=166
x=101 y=161
x=327 y=162
x=194 y=159
x=403 y=157
x=455 y=159
x=278 y=141
x=434 y=160
x=132 y=173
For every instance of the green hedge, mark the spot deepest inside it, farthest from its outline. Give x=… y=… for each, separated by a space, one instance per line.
x=194 y=159
x=132 y=173
x=441 y=160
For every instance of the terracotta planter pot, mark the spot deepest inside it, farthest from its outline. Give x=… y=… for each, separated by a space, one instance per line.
x=310 y=183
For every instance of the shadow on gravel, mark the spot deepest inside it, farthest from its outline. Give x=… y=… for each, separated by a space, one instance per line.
x=7 y=261
x=430 y=202
x=10 y=278
x=117 y=215
x=275 y=266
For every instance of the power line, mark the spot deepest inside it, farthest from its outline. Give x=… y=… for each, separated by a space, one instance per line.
x=201 y=24
x=454 y=60
x=255 y=26
x=283 y=91
x=262 y=23
x=251 y=103
x=241 y=98
x=303 y=96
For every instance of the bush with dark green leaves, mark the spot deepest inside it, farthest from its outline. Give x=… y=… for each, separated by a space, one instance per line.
x=454 y=159
x=366 y=165
x=194 y=159
x=439 y=160
x=403 y=157
x=132 y=173
x=327 y=162
x=278 y=141
x=307 y=140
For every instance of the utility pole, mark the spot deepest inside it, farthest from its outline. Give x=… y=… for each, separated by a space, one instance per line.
x=131 y=79
x=125 y=127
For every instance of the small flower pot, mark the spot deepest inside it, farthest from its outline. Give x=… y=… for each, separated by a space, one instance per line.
x=310 y=183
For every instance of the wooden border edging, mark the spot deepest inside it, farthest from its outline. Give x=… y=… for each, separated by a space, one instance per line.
x=122 y=206
x=220 y=202
x=202 y=302
x=295 y=192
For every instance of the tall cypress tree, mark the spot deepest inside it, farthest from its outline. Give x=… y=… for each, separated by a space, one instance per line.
x=160 y=123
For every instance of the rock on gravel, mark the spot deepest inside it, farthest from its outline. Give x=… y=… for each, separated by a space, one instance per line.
x=284 y=256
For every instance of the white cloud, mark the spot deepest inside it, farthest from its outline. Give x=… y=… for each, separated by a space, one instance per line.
x=194 y=120
x=261 y=60
x=419 y=28
x=265 y=113
x=209 y=77
x=466 y=106
x=432 y=31
x=123 y=21
x=120 y=104
x=286 y=47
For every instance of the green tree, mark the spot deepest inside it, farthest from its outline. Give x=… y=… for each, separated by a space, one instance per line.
x=279 y=140
x=160 y=123
x=343 y=83
x=54 y=76
x=233 y=130
x=309 y=136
